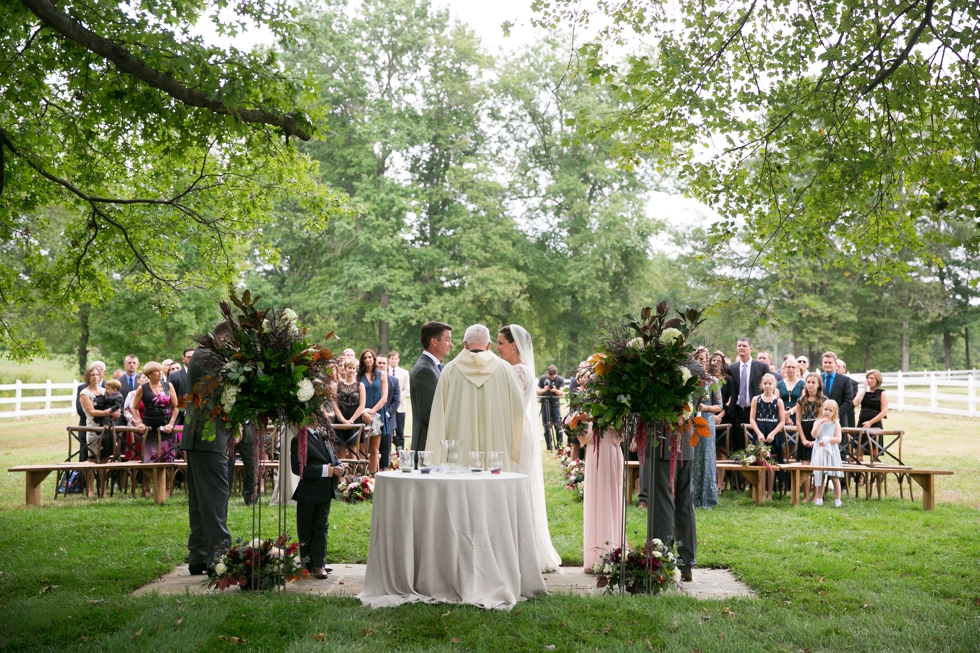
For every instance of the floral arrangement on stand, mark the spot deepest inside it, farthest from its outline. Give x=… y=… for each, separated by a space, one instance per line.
x=265 y=371
x=655 y=562
x=753 y=454
x=258 y=564
x=357 y=488
x=643 y=374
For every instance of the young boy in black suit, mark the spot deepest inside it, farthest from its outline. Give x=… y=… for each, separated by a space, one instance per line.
x=317 y=487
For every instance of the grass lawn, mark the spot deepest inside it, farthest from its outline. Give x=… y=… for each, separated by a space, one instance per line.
x=870 y=576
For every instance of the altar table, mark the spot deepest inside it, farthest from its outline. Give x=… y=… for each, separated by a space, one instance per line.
x=451 y=538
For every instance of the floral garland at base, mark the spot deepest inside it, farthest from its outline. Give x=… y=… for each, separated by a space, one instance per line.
x=659 y=564
x=356 y=489
x=265 y=561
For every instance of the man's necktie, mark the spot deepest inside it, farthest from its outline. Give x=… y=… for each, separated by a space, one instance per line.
x=828 y=383
x=743 y=387
x=439 y=365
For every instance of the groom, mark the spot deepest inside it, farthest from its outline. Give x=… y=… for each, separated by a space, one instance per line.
x=479 y=402
x=436 y=343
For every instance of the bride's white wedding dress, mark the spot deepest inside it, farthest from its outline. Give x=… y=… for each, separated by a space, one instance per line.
x=530 y=464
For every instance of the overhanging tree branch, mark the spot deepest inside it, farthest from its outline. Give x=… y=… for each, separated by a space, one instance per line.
x=132 y=65
x=904 y=54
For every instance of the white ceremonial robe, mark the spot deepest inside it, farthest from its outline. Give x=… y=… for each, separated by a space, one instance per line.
x=478 y=401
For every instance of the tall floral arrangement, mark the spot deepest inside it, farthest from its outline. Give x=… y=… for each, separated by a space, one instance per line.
x=265 y=370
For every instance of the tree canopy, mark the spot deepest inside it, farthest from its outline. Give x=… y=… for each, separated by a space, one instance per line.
x=124 y=137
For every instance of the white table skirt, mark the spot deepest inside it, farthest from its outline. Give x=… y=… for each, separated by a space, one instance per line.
x=451 y=538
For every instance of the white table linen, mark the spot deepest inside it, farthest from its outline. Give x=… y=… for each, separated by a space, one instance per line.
x=451 y=538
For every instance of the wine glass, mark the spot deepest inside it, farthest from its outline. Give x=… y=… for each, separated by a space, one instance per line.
x=405 y=460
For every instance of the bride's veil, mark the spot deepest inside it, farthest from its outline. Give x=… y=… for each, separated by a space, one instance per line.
x=526 y=350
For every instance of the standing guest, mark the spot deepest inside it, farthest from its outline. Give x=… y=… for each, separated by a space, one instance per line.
x=720 y=364
x=165 y=367
x=837 y=387
x=790 y=387
x=160 y=414
x=207 y=473
x=704 y=484
x=826 y=452
x=316 y=488
x=98 y=446
x=375 y=385
x=82 y=418
x=575 y=390
x=855 y=386
x=132 y=414
x=111 y=400
x=130 y=380
x=436 y=342
x=746 y=375
x=804 y=363
x=602 y=495
x=390 y=408
x=400 y=373
x=550 y=390
x=117 y=373
x=807 y=412
x=872 y=400
x=348 y=404
x=767 y=359
x=767 y=417
x=178 y=379
x=349 y=355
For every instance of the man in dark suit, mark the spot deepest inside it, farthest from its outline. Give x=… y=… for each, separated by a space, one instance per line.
x=208 y=488
x=318 y=485
x=130 y=377
x=855 y=386
x=838 y=387
x=673 y=511
x=391 y=405
x=746 y=382
x=436 y=343
x=179 y=380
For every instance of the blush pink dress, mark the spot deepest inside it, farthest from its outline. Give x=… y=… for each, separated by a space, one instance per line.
x=603 y=510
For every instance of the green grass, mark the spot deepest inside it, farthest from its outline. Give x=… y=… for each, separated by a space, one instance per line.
x=871 y=576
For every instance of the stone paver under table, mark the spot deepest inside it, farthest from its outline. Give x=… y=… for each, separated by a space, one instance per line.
x=348 y=580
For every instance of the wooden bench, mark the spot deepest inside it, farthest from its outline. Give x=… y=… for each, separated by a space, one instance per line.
x=35 y=474
x=926 y=478
x=752 y=474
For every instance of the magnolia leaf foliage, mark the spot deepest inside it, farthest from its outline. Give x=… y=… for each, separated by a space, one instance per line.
x=809 y=126
x=126 y=138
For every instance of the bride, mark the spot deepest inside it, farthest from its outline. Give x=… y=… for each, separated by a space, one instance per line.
x=514 y=346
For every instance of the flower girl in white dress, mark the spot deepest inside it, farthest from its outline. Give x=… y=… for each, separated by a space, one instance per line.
x=826 y=453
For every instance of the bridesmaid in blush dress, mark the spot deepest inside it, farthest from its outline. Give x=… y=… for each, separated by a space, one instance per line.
x=603 y=510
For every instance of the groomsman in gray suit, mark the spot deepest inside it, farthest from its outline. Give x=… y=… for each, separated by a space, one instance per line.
x=208 y=487
x=436 y=343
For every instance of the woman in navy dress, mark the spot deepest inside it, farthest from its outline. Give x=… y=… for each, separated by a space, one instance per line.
x=376 y=395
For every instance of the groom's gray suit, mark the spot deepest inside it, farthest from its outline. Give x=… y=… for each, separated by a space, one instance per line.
x=673 y=514
x=423 y=380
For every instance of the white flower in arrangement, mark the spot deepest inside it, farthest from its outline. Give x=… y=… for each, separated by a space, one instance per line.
x=677 y=575
x=669 y=335
x=685 y=373
x=296 y=561
x=689 y=411
x=290 y=314
x=256 y=543
x=636 y=343
x=228 y=397
x=220 y=568
x=750 y=459
x=275 y=552
x=657 y=554
x=657 y=542
x=305 y=390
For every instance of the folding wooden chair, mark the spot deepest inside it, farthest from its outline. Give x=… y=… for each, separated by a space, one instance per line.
x=79 y=436
x=350 y=437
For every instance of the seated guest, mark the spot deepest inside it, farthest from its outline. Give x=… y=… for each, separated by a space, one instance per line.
x=318 y=485
x=111 y=400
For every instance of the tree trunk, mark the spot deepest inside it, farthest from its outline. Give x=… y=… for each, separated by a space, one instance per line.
x=83 y=312
x=948 y=348
x=966 y=343
x=383 y=326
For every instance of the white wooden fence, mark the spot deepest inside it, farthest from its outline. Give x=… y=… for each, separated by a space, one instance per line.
x=51 y=404
x=949 y=392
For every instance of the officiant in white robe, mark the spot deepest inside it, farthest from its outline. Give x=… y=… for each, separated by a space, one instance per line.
x=478 y=401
